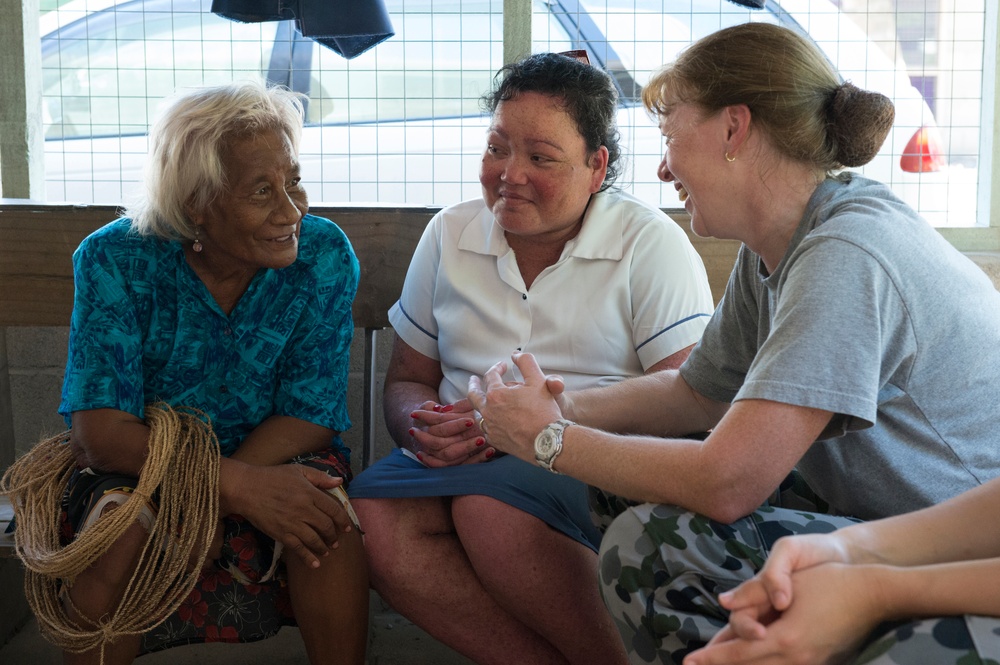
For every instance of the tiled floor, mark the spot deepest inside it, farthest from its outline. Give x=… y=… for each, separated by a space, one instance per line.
x=394 y=641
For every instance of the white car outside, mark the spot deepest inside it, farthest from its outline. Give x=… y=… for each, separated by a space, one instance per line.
x=400 y=124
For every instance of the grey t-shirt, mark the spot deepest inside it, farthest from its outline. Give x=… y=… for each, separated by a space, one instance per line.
x=872 y=315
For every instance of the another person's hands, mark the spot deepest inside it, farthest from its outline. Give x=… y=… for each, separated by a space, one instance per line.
x=800 y=608
x=833 y=610
x=788 y=555
x=557 y=388
x=449 y=434
x=290 y=503
x=515 y=413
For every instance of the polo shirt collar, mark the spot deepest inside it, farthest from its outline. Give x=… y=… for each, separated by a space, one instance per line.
x=600 y=237
x=603 y=228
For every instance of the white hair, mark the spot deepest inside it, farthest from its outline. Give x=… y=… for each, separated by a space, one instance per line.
x=184 y=166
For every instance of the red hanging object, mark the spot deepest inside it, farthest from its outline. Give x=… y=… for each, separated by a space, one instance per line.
x=923 y=153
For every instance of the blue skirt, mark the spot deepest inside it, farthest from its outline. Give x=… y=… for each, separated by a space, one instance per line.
x=559 y=501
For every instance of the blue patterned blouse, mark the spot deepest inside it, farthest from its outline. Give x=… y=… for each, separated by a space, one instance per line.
x=145 y=328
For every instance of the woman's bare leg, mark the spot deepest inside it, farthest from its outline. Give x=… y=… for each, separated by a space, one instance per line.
x=542 y=577
x=98 y=591
x=331 y=603
x=418 y=566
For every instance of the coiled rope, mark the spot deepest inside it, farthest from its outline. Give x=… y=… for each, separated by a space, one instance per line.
x=183 y=465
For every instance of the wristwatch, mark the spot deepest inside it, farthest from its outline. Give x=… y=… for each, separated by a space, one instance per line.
x=549 y=443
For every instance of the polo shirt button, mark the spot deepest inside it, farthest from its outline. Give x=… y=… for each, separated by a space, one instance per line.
x=524 y=296
x=227 y=331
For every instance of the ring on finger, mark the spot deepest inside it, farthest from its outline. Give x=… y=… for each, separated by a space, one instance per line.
x=482 y=425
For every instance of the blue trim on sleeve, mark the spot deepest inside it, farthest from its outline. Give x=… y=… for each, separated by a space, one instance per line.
x=415 y=324
x=670 y=327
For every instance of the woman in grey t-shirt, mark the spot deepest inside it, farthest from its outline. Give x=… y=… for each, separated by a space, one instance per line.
x=853 y=346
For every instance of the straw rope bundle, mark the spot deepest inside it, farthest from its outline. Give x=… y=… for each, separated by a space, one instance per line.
x=183 y=465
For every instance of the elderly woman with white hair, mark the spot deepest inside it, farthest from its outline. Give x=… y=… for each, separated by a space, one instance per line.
x=218 y=292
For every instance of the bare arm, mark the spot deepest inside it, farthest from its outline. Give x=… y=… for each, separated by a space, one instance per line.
x=673 y=361
x=726 y=476
x=411 y=380
x=110 y=440
x=658 y=404
x=938 y=561
x=441 y=435
x=945 y=532
x=284 y=501
x=818 y=596
x=116 y=441
x=280 y=438
x=962 y=587
x=837 y=606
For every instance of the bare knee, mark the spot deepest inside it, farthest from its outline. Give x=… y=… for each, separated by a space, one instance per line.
x=394 y=529
x=98 y=590
x=345 y=568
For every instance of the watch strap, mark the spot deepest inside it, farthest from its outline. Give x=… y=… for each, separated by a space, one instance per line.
x=557 y=429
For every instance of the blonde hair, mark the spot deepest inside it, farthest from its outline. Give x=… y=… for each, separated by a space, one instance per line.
x=795 y=96
x=184 y=167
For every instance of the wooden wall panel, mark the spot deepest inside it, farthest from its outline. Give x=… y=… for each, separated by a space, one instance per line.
x=37 y=242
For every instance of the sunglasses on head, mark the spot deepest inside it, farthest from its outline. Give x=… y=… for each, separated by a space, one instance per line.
x=577 y=54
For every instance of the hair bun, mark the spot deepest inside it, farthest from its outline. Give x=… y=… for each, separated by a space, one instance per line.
x=859 y=122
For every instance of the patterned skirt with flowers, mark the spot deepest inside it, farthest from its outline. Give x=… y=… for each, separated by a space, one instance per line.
x=241 y=597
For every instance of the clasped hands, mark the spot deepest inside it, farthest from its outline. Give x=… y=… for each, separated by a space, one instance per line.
x=449 y=435
x=453 y=434
x=808 y=605
x=514 y=412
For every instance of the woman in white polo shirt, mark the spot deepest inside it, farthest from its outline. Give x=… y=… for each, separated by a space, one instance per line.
x=497 y=559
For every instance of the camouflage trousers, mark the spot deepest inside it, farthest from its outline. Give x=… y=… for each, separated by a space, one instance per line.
x=958 y=640
x=662 y=568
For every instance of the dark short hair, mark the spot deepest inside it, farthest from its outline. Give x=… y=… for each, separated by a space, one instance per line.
x=587 y=93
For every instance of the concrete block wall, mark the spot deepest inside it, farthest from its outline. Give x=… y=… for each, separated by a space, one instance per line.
x=36 y=358
x=36 y=361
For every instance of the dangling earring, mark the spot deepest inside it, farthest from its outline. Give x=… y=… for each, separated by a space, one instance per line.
x=730 y=159
x=197 y=246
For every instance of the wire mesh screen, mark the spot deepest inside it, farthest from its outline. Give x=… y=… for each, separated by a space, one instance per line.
x=925 y=55
x=401 y=123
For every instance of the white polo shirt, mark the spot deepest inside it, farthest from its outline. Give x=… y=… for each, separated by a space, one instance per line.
x=628 y=291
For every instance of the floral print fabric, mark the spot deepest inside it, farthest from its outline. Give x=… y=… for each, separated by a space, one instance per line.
x=219 y=608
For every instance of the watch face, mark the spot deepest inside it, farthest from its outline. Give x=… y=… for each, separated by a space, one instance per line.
x=546 y=444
